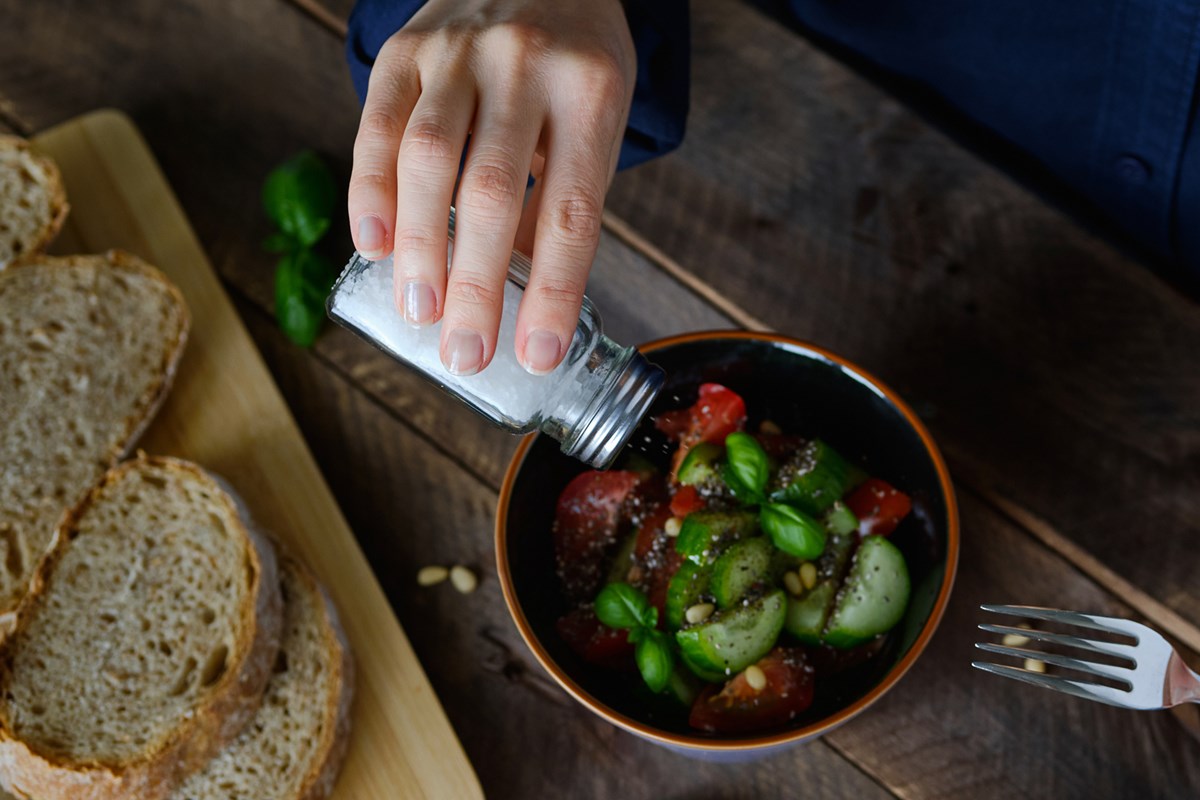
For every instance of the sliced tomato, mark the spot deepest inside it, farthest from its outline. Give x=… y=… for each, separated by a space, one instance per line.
x=594 y=642
x=740 y=708
x=586 y=527
x=686 y=500
x=652 y=532
x=717 y=413
x=879 y=507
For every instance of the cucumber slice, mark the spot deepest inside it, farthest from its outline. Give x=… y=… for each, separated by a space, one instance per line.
x=687 y=587
x=700 y=463
x=839 y=520
x=813 y=479
x=683 y=686
x=705 y=533
x=732 y=640
x=807 y=615
x=623 y=560
x=874 y=596
x=743 y=565
x=701 y=672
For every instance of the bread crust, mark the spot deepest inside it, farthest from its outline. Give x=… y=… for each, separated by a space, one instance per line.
x=135 y=424
x=55 y=188
x=224 y=711
x=323 y=772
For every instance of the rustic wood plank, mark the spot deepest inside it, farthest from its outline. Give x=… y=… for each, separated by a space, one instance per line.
x=1052 y=368
x=216 y=169
x=524 y=735
x=919 y=741
x=1049 y=366
x=339 y=435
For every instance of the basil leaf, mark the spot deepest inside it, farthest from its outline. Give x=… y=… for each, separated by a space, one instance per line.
x=655 y=660
x=302 y=282
x=621 y=606
x=792 y=531
x=299 y=196
x=746 y=467
x=279 y=242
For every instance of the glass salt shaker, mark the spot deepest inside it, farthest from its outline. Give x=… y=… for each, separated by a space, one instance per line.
x=591 y=403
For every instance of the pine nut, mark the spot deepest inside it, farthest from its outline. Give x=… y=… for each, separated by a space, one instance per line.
x=1014 y=640
x=791 y=582
x=673 y=526
x=1033 y=665
x=808 y=574
x=463 y=579
x=770 y=427
x=429 y=576
x=699 y=613
x=755 y=677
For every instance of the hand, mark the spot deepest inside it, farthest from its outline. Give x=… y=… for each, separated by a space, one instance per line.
x=543 y=87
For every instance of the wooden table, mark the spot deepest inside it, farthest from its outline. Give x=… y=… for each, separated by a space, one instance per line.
x=1061 y=378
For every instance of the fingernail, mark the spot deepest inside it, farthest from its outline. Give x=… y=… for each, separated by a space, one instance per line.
x=542 y=349
x=419 y=303
x=371 y=235
x=464 y=352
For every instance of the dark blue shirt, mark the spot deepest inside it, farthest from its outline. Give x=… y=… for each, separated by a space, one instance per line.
x=1101 y=92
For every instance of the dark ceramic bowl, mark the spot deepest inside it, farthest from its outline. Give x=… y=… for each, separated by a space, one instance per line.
x=805 y=390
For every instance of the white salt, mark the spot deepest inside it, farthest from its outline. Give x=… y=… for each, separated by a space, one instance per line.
x=502 y=391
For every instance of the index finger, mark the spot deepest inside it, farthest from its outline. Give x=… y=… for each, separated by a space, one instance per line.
x=371 y=198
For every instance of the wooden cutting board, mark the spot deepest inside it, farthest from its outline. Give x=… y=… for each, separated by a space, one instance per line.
x=226 y=414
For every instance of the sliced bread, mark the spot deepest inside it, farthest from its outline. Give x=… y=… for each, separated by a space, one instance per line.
x=293 y=747
x=33 y=202
x=88 y=346
x=146 y=641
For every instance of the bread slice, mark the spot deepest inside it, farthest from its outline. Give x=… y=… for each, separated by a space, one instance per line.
x=88 y=346
x=293 y=747
x=145 y=644
x=33 y=201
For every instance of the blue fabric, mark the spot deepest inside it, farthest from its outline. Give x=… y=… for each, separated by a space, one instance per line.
x=1101 y=92
x=660 y=96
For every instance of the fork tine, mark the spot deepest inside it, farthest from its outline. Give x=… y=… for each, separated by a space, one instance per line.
x=1088 y=691
x=1125 y=651
x=1106 y=624
x=1087 y=667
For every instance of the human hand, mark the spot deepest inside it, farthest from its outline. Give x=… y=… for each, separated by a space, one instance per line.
x=543 y=87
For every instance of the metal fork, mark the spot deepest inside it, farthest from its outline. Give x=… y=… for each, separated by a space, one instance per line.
x=1155 y=677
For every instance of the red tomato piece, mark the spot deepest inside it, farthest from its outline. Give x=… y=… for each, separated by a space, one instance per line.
x=586 y=525
x=652 y=532
x=879 y=507
x=594 y=642
x=740 y=708
x=686 y=500
x=717 y=413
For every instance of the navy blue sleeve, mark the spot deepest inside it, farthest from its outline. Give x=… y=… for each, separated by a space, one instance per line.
x=660 y=97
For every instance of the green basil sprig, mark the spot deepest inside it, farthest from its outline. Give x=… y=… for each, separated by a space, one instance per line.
x=299 y=196
x=746 y=467
x=623 y=607
x=792 y=531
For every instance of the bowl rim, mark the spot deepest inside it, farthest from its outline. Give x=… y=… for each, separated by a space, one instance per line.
x=812 y=730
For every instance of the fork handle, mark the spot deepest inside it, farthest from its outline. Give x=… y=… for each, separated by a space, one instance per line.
x=1182 y=685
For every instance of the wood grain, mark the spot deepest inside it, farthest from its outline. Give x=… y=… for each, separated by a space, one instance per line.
x=941 y=717
x=1048 y=365
x=524 y=735
x=225 y=414
x=218 y=131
